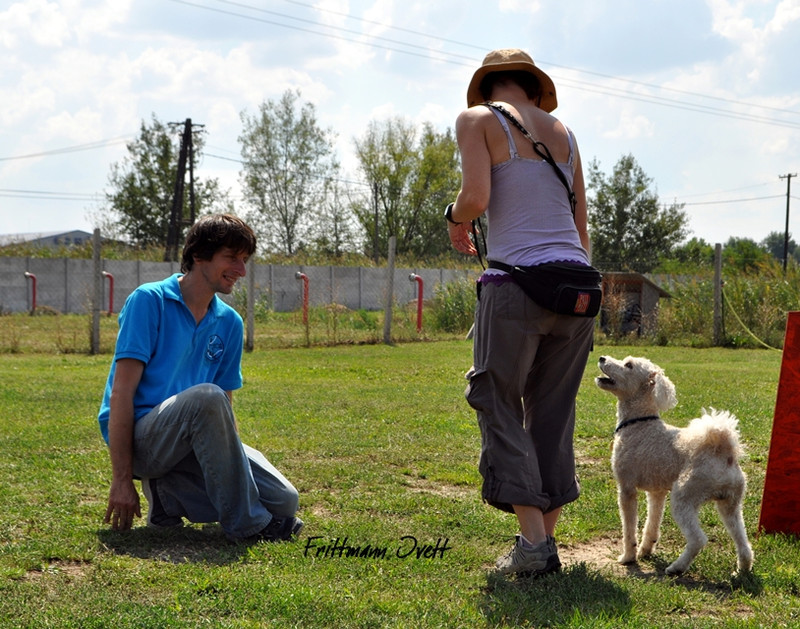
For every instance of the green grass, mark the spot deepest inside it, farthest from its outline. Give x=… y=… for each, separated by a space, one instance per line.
x=383 y=449
x=51 y=332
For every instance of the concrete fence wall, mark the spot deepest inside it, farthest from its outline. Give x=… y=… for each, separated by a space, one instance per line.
x=65 y=285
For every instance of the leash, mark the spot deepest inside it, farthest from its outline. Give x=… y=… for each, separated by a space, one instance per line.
x=477 y=228
x=635 y=420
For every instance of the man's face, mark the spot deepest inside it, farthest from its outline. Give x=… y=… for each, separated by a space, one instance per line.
x=223 y=270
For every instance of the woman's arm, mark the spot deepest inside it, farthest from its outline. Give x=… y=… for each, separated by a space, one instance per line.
x=476 y=178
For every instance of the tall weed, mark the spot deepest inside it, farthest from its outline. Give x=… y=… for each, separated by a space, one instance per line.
x=754 y=308
x=453 y=306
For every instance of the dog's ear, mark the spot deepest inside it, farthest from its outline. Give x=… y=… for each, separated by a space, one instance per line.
x=664 y=391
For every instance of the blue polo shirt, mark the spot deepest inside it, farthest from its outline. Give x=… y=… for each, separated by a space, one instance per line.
x=157 y=328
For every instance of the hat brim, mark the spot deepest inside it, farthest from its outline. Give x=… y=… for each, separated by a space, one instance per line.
x=548 y=102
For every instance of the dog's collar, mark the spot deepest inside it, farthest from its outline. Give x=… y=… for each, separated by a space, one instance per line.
x=635 y=420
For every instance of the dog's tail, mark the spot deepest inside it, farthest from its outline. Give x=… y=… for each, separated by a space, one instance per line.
x=717 y=431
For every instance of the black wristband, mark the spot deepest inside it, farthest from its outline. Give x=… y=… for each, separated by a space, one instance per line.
x=448 y=214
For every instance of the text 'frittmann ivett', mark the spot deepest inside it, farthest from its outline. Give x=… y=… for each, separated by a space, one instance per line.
x=408 y=548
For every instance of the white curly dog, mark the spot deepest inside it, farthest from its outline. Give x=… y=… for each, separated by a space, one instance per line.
x=698 y=463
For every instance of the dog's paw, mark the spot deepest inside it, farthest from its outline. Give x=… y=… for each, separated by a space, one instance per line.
x=675 y=568
x=645 y=551
x=744 y=562
x=626 y=558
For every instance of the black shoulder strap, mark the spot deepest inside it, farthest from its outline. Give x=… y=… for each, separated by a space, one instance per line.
x=540 y=149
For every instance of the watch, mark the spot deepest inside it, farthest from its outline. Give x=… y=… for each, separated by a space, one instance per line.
x=448 y=214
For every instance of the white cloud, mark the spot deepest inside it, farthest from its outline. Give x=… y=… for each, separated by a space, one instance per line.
x=786 y=13
x=631 y=126
x=38 y=21
x=729 y=20
x=82 y=70
x=518 y=6
x=100 y=17
x=379 y=13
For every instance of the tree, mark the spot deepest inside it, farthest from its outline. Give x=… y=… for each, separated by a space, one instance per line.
x=288 y=166
x=774 y=243
x=410 y=181
x=692 y=254
x=334 y=230
x=744 y=254
x=139 y=202
x=628 y=228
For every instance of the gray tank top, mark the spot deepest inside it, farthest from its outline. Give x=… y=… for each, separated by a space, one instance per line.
x=529 y=214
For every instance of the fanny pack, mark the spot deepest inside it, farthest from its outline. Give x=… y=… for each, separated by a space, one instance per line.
x=562 y=287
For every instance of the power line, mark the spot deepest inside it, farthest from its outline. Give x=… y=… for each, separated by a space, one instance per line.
x=339 y=28
x=668 y=102
x=338 y=179
x=71 y=149
x=705 y=194
x=541 y=61
x=449 y=57
x=227 y=159
x=427 y=54
x=725 y=201
x=44 y=194
x=679 y=91
x=383 y=24
x=440 y=56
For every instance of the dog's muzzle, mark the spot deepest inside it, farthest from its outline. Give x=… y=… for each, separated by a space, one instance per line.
x=603 y=380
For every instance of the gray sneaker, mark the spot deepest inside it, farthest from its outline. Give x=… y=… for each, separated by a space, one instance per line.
x=528 y=560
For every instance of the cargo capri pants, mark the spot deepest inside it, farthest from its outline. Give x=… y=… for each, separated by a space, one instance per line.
x=528 y=363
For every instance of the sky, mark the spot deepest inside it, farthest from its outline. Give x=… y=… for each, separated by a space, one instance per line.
x=705 y=94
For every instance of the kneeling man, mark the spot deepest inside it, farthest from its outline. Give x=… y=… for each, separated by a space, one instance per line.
x=166 y=413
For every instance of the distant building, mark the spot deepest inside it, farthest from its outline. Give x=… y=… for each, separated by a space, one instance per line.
x=630 y=303
x=54 y=240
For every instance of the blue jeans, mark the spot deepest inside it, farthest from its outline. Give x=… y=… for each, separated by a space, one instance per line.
x=205 y=473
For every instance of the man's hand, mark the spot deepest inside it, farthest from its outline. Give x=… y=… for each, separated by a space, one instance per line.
x=123 y=499
x=123 y=505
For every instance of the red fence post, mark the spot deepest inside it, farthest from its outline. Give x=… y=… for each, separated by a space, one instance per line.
x=110 y=292
x=416 y=278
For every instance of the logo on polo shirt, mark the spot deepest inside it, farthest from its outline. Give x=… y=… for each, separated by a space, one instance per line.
x=215 y=348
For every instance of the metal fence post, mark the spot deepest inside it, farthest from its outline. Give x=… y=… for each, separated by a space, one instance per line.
x=387 y=314
x=718 y=320
x=97 y=293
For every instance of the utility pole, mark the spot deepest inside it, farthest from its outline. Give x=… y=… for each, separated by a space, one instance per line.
x=788 y=179
x=176 y=219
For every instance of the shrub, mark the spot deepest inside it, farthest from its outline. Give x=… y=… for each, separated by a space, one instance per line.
x=754 y=308
x=453 y=306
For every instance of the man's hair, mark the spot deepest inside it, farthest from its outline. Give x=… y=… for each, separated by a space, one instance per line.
x=211 y=233
x=526 y=80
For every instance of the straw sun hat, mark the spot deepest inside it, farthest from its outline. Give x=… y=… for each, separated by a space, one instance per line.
x=511 y=59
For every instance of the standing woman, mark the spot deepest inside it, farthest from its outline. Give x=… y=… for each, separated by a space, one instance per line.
x=528 y=360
